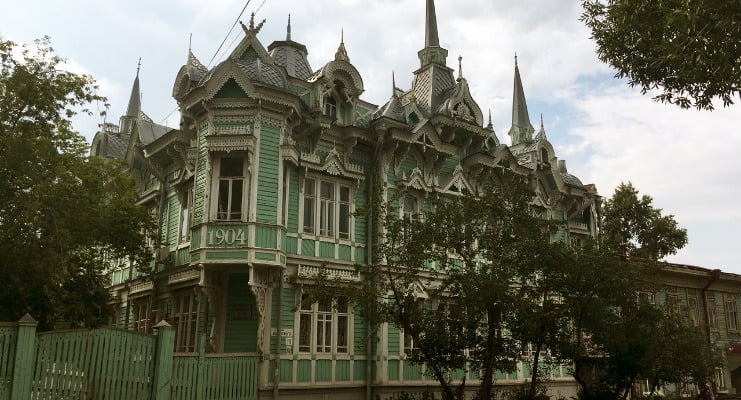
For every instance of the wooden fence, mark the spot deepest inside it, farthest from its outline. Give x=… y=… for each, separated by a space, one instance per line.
x=115 y=364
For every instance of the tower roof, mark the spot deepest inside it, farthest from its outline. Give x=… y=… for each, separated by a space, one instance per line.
x=135 y=98
x=521 y=130
x=431 y=37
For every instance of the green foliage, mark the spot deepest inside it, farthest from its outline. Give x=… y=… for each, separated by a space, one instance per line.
x=63 y=216
x=688 y=49
x=632 y=226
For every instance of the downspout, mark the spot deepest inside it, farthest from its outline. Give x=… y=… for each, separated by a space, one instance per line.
x=278 y=337
x=714 y=275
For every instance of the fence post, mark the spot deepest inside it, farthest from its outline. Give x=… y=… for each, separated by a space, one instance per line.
x=25 y=352
x=200 y=376
x=163 y=360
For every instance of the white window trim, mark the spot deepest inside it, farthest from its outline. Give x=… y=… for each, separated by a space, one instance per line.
x=215 y=175
x=338 y=184
x=314 y=315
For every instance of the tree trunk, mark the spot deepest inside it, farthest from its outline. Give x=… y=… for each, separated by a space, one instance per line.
x=534 y=372
x=489 y=354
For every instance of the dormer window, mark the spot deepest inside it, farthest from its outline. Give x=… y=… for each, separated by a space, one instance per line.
x=330 y=107
x=544 y=156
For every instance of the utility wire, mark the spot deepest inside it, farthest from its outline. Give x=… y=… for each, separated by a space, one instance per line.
x=229 y=33
x=222 y=43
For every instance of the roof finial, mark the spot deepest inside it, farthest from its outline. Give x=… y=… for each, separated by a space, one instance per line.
x=288 y=29
x=341 y=53
x=431 y=37
x=460 y=67
x=541 y=121
x=515 y=59
x=252 y=28
x=490 y=125
x=190 y=42
x=138 y=66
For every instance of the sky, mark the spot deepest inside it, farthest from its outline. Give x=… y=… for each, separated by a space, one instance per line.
x=607 y=132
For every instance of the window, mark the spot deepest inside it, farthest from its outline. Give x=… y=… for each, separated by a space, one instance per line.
x=332 y=208
x=410 y=208
x=185 y=215
x=731 y=312
x=230 y=188
x=409 y=346
x=693 y=307
x=330 y=107
x=672 y=301
x=720 y=379
x=185 y=321
x=712 y=315
x=140 y=322
x=327 y=322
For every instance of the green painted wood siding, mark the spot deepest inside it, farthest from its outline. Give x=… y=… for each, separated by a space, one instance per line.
x=267 y=176
x=173 y=220
x=199 y=195
x=361 y=221
x=359 y=331
x=394 y=340
x=293 y=195
x=289 y=302
x=241 y=316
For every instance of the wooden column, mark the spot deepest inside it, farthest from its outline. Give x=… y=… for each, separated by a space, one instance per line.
x=25 y=355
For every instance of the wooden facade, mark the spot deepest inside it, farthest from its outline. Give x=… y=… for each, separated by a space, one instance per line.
x=260 y=183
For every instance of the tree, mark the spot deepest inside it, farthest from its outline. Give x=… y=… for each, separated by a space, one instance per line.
x=450 y=279
x=688 y=49
x=615 y=334
x=632 y=226
x=64 y=217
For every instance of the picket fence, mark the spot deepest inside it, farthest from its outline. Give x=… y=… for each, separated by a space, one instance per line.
x=115 y=364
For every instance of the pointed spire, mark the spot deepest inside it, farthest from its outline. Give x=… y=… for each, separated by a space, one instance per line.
x=393 y=84
x=490 y=126
x=521 y=130
x=431 y=37
x=135 y=99
x=432 y=52
x=341 y=54
x=288 y=29
x=252 y=29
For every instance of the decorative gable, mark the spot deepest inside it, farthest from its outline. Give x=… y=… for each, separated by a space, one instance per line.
x=333 y=165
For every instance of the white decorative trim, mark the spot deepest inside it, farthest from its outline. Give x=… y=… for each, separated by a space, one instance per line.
x=229 y=143
x=184 y=276
x=141 y=287
x=308 y=271
x=333 y=165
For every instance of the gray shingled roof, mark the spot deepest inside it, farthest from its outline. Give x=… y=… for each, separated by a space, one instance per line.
x=149 y=131
x=291 y=56
x=571 y=180
x=259 y=71
x=392 y=109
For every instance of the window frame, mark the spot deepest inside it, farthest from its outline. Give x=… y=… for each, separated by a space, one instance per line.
x=216 y=185
x=712 y=311
x=731 y=311
x=186 y=207
x=322 y=216
x=322 y=318
x=185 y=321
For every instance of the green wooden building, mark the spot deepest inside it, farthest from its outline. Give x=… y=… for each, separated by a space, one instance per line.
x=260 y=182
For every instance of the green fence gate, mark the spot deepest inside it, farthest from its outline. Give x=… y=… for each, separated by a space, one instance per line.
x=115 y=364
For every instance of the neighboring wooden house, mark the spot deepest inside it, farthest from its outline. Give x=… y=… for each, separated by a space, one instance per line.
x=260 y=183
